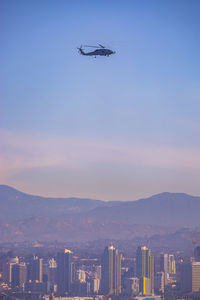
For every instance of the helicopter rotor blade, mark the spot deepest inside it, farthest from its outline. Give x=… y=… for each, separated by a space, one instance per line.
x=91 y=46
x=98 y=46
x=101 y=46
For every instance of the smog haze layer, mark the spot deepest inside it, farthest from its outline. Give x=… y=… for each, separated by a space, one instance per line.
x=112 y=128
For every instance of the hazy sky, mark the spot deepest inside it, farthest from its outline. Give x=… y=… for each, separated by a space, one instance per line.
x=115 y=128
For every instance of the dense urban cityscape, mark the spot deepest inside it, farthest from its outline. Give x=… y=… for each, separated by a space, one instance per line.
x=43 y=273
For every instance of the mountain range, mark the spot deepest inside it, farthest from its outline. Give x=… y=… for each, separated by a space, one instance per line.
x=28 y=217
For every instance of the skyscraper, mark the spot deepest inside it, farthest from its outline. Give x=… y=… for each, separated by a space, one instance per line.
x=186 y=276
x=164 y=266
x=195 y=276
x=159 y=282
x=18 y=275
x=197 y=253
x=34 y=269
x=64 y=272
x=172 y=264
x=7 y=269
x=111 y=271
x=145 y=266
x=167 y=265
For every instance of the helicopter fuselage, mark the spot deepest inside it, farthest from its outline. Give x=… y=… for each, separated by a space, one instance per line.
x=101 y=52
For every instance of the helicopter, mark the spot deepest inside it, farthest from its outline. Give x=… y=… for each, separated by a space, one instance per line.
x=100 y=50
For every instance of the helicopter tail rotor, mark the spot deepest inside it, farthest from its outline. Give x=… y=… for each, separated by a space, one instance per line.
x=81 y=50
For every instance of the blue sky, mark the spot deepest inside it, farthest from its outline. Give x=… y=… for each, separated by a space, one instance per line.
x=114 y=128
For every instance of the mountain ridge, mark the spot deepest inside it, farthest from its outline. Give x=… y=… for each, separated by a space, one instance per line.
x=12 y=189
x=24 y=216
x=14 y=200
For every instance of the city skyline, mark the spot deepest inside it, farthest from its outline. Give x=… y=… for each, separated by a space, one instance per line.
x=60 y=273
x=117 y=128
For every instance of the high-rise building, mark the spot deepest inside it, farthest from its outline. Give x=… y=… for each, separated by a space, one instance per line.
x=7 y=269
x=98 y=272
x=164 y=266
x=52 y=263
x=111 y=271
x=81 y=275
x=18 y=275
x=131 y=286
x=145 y=267
x=159 y=282
x=145 y=286
x=171 y=264
x=64 y=272
x=167 y=265
x=197 y=253
x=52 y=270
x=195 y=276
x=35 y=269
x=95 y=285
x=186 y=276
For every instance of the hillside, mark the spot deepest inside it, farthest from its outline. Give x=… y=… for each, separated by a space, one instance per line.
x=16 y=205
x=28 y=217
x=166 y=209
